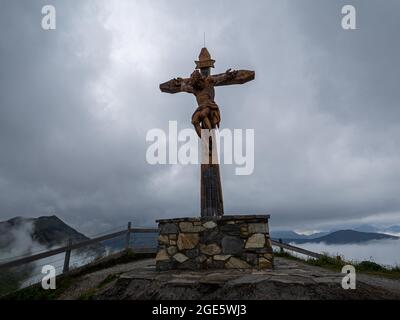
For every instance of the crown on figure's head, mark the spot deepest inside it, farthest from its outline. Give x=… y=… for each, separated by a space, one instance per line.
x=205 y=60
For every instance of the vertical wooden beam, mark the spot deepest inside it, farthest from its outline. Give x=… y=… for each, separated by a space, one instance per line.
x=128 y=236
x=67 y=257
x=212 y=204
x=280 y=248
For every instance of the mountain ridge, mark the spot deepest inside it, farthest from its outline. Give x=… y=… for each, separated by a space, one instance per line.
x=47 y=231
x=345 y=237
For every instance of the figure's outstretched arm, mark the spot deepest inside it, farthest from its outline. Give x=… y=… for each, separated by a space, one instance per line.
x=233 y=77
x=176 y=85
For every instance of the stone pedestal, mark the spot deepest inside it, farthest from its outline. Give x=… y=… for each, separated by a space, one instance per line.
x=228 y=242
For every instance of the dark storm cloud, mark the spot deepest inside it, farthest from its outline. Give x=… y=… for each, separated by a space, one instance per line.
x=76 y=104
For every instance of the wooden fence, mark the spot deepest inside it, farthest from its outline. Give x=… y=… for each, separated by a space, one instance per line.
x=72 y=246
x=127 y=232
x=282 y=245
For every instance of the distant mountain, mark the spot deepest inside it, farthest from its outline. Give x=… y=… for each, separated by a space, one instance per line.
x=366 y=228
x=288 y=234
x=285 y=234
x=48 y=232
x=346 y=237
x=393 y=229
x=26 y=236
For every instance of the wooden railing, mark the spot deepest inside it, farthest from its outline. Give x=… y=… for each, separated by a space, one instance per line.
x=282 y=245
x=127 y=232
x=72 y=246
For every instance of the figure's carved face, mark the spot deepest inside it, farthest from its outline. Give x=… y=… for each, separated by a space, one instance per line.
x=196 y=80
x=205 y=72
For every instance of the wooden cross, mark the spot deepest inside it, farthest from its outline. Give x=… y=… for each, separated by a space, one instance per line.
x=207 y=116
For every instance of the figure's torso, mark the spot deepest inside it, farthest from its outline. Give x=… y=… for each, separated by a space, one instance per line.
x=206 y=94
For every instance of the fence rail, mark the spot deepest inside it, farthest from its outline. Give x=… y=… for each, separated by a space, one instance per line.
x=127 y=232
x=72 y=246
x=295 y=249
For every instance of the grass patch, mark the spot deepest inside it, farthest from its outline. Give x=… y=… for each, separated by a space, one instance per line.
x=108 y=279
x=88 y=294
x=36 y=292
x=337 y=263
x=329 y=262
x=63 y=282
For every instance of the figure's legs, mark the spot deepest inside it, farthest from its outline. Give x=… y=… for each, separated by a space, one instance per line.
x=196 y=123
x=197 y=127
x=207 y=123
x=215 y=118
x=201 y=120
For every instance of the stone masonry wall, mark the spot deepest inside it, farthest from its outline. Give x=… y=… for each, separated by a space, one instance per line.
x=232 y=242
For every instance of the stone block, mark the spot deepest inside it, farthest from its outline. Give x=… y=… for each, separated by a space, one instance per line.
x=201 y=258
x=211 y=236
x=163 y=239
x=169 y=228
x=244 y=231
x=235 y=263
x=162 y=255
x=257 y=240
x=264 y=263
x=231 y=229
x=172 y=250
x=232 y=245
x=269 y=256
x=250 y=258
x=192 y=253
x=211 y=249
x=180 y=257
x=222 y=257
x=187 y=241
x=257 y=228
x=209 y=225
x=189 y=227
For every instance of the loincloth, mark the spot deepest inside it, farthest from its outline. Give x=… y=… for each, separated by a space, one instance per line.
x=209 y=105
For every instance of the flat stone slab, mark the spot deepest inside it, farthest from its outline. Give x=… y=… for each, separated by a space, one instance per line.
x=288 y=280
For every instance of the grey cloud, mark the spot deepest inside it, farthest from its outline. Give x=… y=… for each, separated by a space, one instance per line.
x=76 y=103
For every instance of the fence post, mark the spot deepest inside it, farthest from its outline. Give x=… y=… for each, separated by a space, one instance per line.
x=67 y=257
x=128 y=236
x=280 y=248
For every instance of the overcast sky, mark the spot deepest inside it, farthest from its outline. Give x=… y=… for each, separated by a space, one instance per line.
x=76 y=104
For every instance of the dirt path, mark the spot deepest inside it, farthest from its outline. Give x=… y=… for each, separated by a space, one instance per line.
x=87 y=283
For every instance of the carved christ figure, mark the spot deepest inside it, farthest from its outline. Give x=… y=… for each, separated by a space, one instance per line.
x=207 y=116
x=201 y=84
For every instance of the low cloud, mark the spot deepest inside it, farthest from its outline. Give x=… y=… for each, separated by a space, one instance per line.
x=384 y=252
